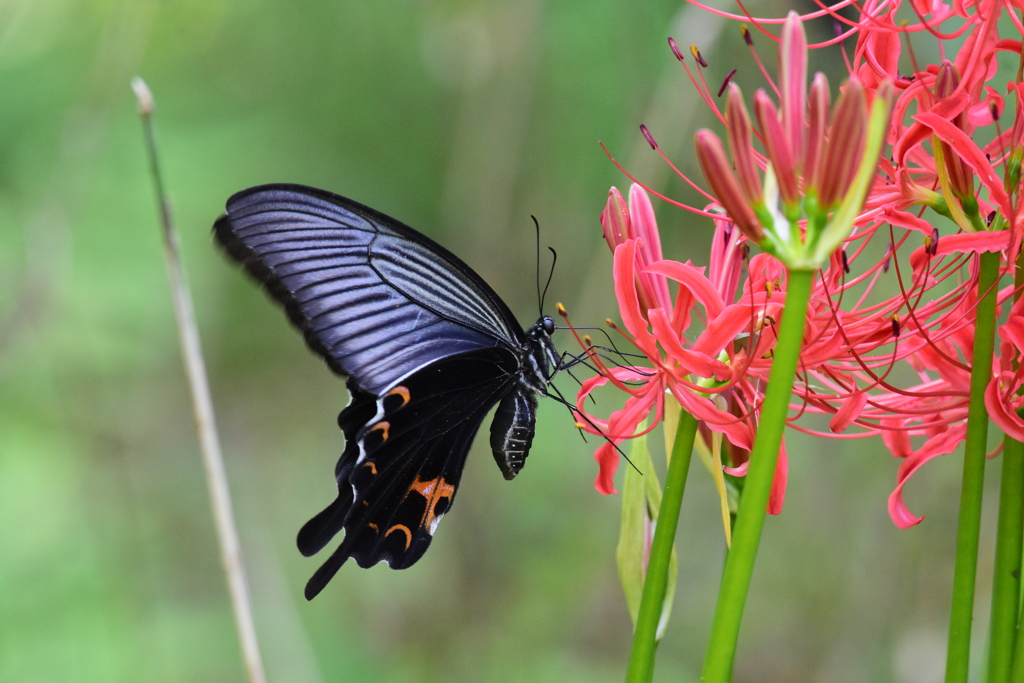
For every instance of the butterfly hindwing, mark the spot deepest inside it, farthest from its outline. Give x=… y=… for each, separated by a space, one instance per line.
x=372 y=296
x=403 y=458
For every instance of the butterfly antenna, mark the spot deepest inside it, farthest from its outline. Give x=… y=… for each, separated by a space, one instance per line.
x=551 y=274
x=540 y=298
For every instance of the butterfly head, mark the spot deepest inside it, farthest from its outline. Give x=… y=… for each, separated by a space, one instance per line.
x=542 y=356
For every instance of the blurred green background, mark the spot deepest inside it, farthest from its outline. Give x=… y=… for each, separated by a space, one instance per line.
x=462 y=119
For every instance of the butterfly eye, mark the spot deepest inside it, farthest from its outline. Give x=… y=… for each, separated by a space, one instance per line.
x=549 y=325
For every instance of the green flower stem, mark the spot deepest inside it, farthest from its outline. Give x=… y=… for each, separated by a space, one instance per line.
x=1004 y=628
x=739 y=564
x=969 y=525
x=1017 y=672
x=641 y=659
x=1006 y=573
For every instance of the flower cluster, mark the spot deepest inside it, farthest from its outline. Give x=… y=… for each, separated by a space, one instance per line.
x=841 y=190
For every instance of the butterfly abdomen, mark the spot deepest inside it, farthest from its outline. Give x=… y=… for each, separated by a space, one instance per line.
x=512 y=430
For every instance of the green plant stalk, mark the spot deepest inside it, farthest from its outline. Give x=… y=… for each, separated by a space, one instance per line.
x=1006 y=572
x=739 y=564
x=969 y=525
x=1005 y=654
x=1017 y=670
x=641 y=658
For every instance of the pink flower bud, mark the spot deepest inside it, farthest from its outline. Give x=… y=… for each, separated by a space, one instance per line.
x=816 y=126
x=738 y=127
x=793 y=82
x=961 y=177
x=777 y=147
x=846 y=140
x=615 y=220
x=723 y=183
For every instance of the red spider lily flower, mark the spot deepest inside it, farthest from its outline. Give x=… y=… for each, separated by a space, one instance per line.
x=931 y=332
x=975 y=184
x=841 y=158
x=944 y=104
x=853 y=342
x=693 y=373
x=849 y=352
x=927 y=110
x=712 y=364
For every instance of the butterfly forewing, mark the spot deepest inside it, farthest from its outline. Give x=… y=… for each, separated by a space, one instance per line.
x=372 y=296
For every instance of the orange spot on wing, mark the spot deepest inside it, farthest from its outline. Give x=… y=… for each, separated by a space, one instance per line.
x=403 y=528
x=372 y=465
x=400 y=391
x=434 y=490
x=373 y=526
x=383 y=427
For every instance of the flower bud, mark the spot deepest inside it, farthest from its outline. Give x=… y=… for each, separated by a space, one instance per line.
x=846 y=139
x=738 y=127
x=816 y=126
x=793 y=83
x=615 y=220
x=777 y=146
x=961 y=177
x=723 y=183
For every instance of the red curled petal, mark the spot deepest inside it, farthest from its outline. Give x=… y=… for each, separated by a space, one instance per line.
x=607 y=462
x=904 y=219
x=848 y=412
x=896 y=440
x=1013 y=330
x=1000 y=411
x=691 y=361
x=722 y=330
x=704 y=410
x=624 y=275
x=777 y=497
x=621 y=425
x=694 y=280
x=963 y=243
x=985 y=112
x=940 y=444
x=739 y=470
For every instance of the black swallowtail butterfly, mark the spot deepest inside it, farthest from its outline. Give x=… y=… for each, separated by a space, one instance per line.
x=428 y=349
